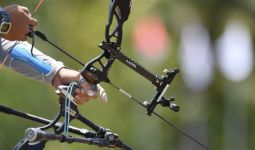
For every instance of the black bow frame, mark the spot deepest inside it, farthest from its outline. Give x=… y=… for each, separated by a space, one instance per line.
x=95 y=71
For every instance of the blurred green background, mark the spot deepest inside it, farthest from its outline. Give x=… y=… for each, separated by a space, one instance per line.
x=210 y=41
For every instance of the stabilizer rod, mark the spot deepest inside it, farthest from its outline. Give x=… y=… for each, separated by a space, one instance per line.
x=10 y=111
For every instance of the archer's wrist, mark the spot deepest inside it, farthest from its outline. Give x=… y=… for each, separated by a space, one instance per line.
x=56 y=81
x=65 y=76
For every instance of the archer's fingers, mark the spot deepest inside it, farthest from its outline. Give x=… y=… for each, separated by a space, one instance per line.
x=84 y=85
x=81 y=100
x=77 y=91
x=92 y=94
x=102 y=93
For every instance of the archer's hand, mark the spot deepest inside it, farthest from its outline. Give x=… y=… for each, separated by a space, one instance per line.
x=21 y=19
x=66 y=76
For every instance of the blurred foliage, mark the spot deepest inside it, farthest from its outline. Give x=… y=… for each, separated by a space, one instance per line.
x=78 y=26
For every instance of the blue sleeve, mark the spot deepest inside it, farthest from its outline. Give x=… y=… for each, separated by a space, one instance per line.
x=39 y=67
x=20 y=52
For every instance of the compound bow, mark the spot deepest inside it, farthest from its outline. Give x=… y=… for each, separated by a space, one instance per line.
x=95 y=71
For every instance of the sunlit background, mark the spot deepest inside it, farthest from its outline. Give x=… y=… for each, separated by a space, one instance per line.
x=211 y=42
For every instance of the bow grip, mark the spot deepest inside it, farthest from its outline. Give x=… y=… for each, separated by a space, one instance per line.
x=97 y=74
x=93 y=75
x=90 y=74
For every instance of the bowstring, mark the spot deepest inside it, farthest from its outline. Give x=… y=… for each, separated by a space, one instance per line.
x=2 y=64
x=7 y=55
